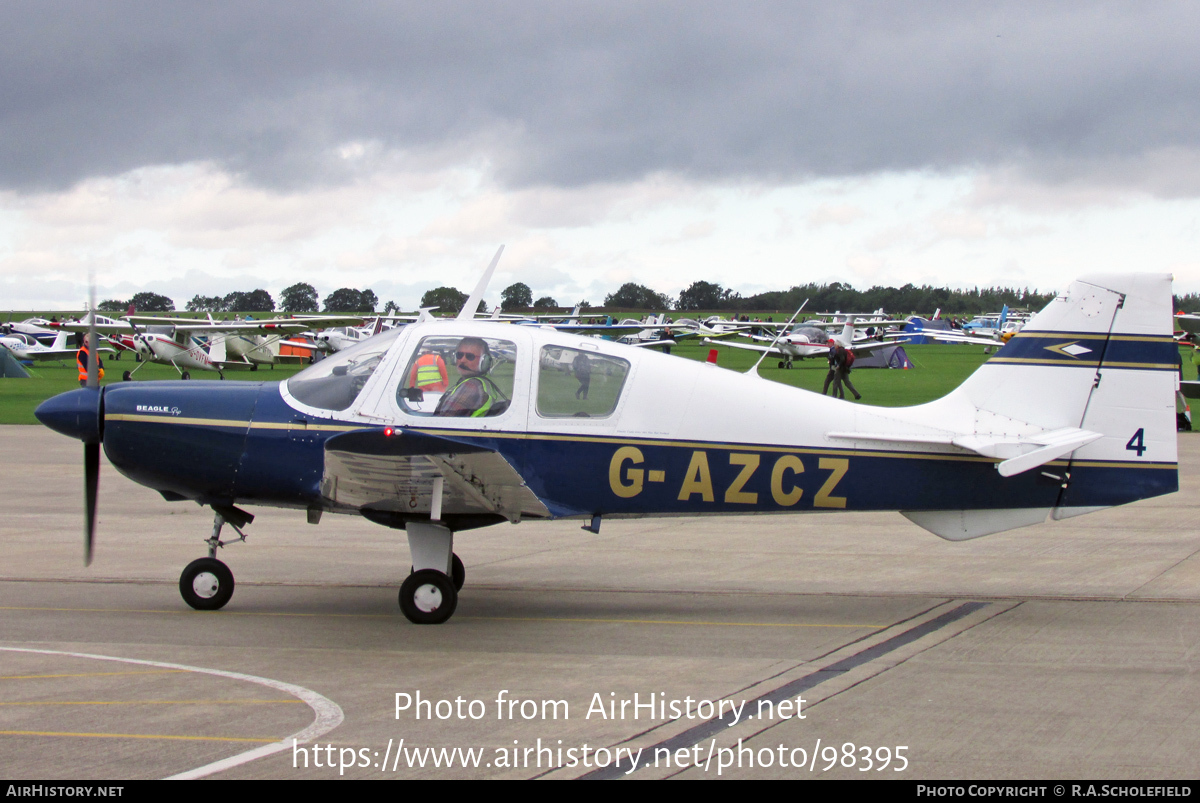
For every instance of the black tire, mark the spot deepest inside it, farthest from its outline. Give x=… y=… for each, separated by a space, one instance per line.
x=253 y=367
x=458 y=572
x=127 y=376
x=185 y=375
x=428 y=597
x=206 y=584
x=781 y=363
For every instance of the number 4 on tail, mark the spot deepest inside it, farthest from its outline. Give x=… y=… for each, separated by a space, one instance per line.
x=1137 y=443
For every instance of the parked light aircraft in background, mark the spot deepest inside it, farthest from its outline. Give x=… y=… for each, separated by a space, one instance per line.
x=26 y=347
x=1075 y=414
x=38 y=328
x=189 y=344
x=992 y=331
x=812 y=340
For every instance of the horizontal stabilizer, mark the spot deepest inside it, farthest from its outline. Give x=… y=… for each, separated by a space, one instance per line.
x=1061 y=442
x=1018 y=453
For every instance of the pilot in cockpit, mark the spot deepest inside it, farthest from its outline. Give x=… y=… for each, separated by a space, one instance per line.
x=475 y=395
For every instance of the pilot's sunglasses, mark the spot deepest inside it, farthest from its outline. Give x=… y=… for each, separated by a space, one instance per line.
x=465 y=355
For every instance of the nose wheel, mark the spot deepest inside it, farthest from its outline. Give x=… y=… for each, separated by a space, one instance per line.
x=430 y=593
x=428 y=597
x=206 y=584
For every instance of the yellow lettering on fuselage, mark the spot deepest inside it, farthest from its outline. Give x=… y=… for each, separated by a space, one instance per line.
x=620 y=487
x=698 y=479
x=839 y=466
x=734 y=493
x=788 y=462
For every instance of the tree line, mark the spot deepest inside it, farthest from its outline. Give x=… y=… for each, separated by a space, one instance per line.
x=700 y=296
x=300 y=297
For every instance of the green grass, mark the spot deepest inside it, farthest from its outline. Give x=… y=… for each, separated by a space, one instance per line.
x=937 y=369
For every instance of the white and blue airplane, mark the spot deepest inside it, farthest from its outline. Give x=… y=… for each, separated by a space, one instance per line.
x=1075 y=414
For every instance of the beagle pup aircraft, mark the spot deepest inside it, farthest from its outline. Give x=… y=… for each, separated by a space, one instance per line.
x=1075 y=414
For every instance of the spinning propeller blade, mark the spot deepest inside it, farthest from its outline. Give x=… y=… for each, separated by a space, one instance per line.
x=91 y=484
x=91 y=451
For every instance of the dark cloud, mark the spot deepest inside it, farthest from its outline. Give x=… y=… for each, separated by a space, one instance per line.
x=574 y=93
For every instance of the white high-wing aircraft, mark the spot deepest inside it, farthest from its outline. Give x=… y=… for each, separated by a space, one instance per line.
x=1075 y=414
x=27 y=347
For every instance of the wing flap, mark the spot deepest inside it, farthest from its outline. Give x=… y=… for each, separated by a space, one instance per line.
x=370 y=470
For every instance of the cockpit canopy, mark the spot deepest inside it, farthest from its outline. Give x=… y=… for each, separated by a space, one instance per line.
x=335 y=382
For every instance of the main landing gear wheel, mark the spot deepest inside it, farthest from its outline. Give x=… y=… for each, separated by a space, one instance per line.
x=428 y=597
x=127 y=376
x=206 y=584
x=185 y=375
x=458 y=572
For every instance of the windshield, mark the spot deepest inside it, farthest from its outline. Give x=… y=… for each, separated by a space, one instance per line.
x=334 y=383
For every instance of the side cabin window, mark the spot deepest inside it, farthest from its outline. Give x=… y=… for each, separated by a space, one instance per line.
x=576 y=383
x=335 y=382
x=456 y=376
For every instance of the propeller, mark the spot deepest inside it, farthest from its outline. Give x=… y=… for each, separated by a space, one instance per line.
x=91 y=447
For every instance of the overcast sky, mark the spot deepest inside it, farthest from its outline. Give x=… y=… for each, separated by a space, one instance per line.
x=201 y=148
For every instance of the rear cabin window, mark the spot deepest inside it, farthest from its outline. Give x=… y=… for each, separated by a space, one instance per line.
x=459 y=377
x=577 y=383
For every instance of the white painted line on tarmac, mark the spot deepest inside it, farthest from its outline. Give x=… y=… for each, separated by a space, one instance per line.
x=328 y=713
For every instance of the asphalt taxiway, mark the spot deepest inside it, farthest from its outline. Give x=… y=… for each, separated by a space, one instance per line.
x=1067 y=649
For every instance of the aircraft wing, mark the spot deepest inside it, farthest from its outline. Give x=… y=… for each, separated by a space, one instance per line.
x=197 y=325
x=379 y=473
x=869 y=345
x=949 y=337
x=59 y=354
x=749 y=346
x=600 y=329
x=1188 y=323
x=102 y=328
x=858 y=324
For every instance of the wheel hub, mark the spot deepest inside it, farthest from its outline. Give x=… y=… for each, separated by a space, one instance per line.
x=206 y=585
x=428 y=598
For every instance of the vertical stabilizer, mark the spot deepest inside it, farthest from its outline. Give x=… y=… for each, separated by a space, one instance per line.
x=1100 y=358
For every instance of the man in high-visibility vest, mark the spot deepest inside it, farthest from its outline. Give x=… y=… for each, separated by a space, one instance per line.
x=429 y=373
x=475 y=395
x=81 y=362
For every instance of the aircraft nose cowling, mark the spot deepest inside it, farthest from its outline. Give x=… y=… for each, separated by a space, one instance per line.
x=75 y=413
